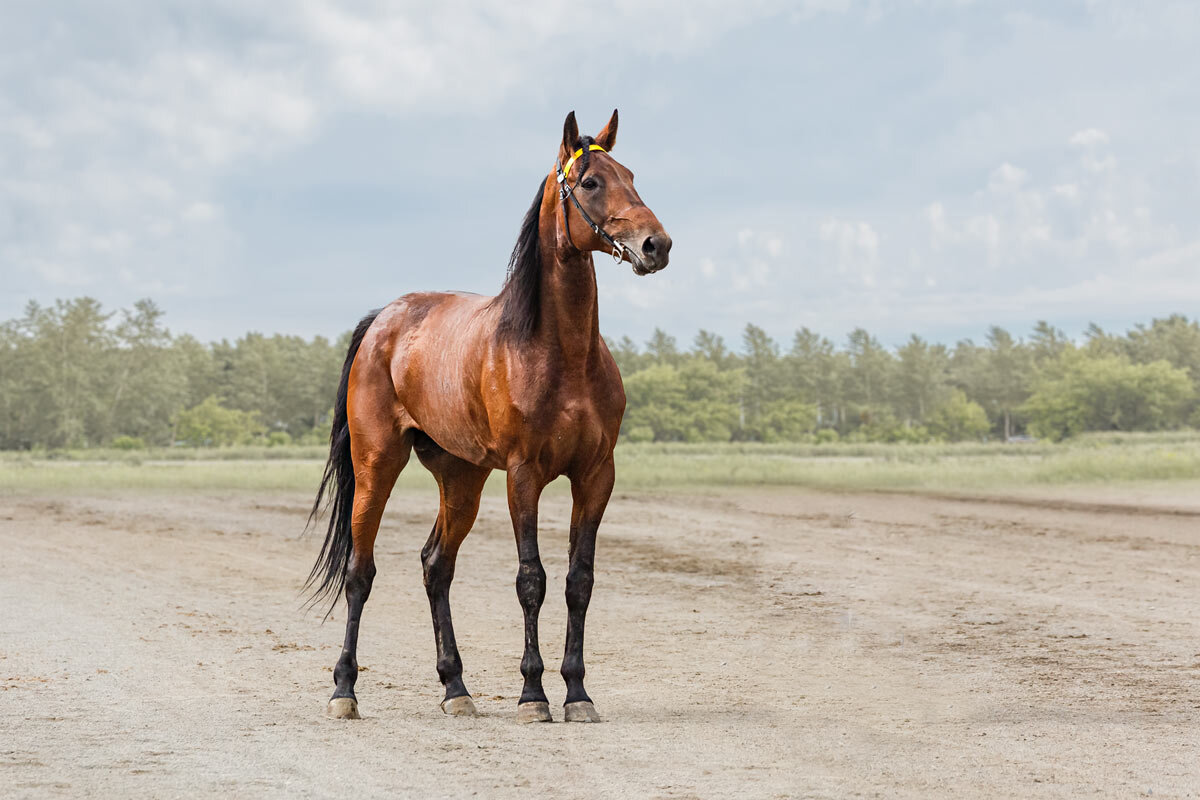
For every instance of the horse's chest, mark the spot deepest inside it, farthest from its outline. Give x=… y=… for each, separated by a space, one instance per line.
x=568 y=415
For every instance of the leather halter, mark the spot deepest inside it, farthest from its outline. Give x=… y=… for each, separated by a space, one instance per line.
x=566 y=190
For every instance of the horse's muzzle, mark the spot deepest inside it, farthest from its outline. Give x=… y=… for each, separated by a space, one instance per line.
x=653 y=254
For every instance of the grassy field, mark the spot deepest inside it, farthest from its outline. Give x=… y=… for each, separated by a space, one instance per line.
x=938 y=467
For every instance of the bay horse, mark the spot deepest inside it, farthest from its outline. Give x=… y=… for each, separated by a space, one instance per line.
x=520 y=382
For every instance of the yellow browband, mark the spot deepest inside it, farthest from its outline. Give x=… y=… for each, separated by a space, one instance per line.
x=577 y=154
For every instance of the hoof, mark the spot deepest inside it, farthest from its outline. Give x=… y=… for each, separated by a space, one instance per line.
x=534 y=712
x=462 y=706
x=582 y=711
x=343 y=708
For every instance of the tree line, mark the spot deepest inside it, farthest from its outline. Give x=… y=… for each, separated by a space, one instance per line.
x=75 y=375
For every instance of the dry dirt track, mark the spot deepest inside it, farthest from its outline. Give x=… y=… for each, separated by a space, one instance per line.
x=749 y=644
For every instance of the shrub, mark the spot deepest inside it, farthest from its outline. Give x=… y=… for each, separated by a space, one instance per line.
x=642 y=433
x=129 y=443
x=959 y=419
x=783 y=421
x=278 y=439
x=210 y=424
x=1079 y=392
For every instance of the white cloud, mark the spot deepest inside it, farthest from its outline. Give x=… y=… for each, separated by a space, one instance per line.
x=1090 y=137
x=201 y=212
x=853 y=246
x=120 y=122
x=1007 y=178
x=1089 y=231
x=122 y=126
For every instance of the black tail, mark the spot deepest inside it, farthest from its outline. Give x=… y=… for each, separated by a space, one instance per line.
x=328 y=576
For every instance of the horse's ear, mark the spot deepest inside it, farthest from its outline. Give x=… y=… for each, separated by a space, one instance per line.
x=608 y=137
x=570 y=135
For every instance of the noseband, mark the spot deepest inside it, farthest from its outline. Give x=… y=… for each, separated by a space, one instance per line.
x=566 y=190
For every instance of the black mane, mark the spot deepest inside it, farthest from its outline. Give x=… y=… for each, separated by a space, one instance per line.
x=520 y=297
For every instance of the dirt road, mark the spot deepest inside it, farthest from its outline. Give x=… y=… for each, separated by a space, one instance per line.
x=748 y=644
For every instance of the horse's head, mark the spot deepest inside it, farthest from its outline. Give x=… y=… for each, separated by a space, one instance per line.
x=600 y=209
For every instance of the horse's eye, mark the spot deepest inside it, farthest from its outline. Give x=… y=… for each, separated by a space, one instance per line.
x=590 y=183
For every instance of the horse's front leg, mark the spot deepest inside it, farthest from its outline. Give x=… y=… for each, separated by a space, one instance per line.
x=524 y=489
x=590 y=493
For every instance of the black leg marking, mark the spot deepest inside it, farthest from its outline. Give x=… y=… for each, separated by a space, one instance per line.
x=579 y=594
x=438 y=567
x=358 y=588
x=531 y=591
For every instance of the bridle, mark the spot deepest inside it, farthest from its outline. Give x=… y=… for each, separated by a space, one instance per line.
x=567 y=191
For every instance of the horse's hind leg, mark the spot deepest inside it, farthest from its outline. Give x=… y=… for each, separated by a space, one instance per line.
x=379 y=453
x=460 y=483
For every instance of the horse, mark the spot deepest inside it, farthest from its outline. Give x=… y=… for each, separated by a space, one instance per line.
x=521 y=382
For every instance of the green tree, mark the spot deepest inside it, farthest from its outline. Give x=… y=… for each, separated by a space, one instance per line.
x=65 y=368
x=1047 y=343
x=1007 y=372
x=147 y=383
x=212 y=425
x=662 y=348
x=869 y=377
x=1099 y=342
x=625 y=352
x=711 y=347
x=921 y=379
x=816 y=371
x=694 y=403
x=1175 y=340
x=1107 y=392
x=959 y=419
x=783 y=421
x=766 y=378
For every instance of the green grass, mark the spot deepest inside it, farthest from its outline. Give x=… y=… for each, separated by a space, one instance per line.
x=937 y=467
x=911 y=468
x=155 y=454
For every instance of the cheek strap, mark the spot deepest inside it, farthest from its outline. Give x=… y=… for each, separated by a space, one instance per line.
x=567 y=191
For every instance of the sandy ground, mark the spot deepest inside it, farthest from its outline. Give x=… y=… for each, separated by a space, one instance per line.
x=741 y=644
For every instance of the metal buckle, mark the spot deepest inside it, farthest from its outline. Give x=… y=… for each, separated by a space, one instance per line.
x=618 y=252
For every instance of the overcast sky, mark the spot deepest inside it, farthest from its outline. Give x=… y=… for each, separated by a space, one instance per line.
x=923 y=166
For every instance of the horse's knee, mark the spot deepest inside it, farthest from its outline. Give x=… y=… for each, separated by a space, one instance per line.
x=579 y=587
x=531 y=584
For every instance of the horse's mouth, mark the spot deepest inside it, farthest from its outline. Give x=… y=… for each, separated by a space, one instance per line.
x=641 y=266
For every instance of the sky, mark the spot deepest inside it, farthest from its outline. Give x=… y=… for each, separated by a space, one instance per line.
x=908 y=167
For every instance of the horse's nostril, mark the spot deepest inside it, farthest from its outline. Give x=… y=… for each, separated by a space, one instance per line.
x=648 y=246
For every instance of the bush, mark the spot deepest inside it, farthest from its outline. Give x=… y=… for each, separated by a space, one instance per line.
x=642 y=433
x=1079 y=392
x=129 y=443
x=827 y=436
x=959 y=419
x=880 y=425
x=783 y=421
x=278 y=439
x=211 y=425
x=693 y=403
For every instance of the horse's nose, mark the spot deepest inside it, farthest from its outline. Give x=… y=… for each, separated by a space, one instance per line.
x=657 y=249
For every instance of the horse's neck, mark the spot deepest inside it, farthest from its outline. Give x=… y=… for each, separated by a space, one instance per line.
x=569 y=317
